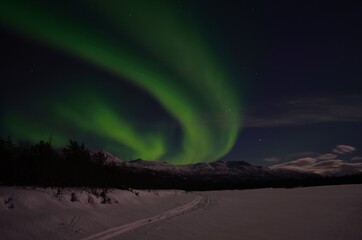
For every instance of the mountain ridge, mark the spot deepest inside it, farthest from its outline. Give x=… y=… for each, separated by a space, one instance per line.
x=231 y=170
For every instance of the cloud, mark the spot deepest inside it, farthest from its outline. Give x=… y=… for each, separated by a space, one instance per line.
x=298 y=164
x=307 y=111
x=327 y=156
x=326 y=164
x=343 y=149
x=356 y=159
x=271 y=159
x=327 y=167
x=294 y=156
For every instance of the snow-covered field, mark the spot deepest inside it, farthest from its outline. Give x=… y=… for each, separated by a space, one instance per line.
x=330 y=212
x=39 y=214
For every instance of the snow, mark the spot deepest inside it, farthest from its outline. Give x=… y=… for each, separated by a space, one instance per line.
x=329 y=212
x=114 y=232
x=39 y=214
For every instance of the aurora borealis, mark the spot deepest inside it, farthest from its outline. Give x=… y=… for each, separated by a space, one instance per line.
x=183 y=81
x=148 y=44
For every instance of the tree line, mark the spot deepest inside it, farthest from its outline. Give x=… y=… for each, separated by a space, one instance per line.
x=42 y=165
x=74 y=165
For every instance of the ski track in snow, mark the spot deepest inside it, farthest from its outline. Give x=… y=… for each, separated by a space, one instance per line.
x=198 y=202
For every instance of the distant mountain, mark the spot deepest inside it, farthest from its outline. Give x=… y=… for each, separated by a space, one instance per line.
x=216 y=175
x=77 y=166
x=215 y=171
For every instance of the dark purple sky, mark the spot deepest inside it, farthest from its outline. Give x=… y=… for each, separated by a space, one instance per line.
x=298 y=66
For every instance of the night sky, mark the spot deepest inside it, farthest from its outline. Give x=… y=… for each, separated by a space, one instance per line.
x=184 y=81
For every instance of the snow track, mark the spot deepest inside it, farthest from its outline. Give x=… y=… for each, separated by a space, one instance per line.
x=198 y=202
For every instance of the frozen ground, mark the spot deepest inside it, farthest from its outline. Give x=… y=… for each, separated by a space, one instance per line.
x=39 y=214
x=331 y=212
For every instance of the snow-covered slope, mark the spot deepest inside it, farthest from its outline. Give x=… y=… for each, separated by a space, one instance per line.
x=35 y=213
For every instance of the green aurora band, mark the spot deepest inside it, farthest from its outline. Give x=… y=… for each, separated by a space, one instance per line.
x=177 y=68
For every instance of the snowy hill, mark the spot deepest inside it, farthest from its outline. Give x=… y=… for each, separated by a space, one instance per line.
x=237 y=170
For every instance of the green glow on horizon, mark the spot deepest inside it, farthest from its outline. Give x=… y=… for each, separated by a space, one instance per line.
x=22 y=129
x=88 y=112
x=192 y=85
